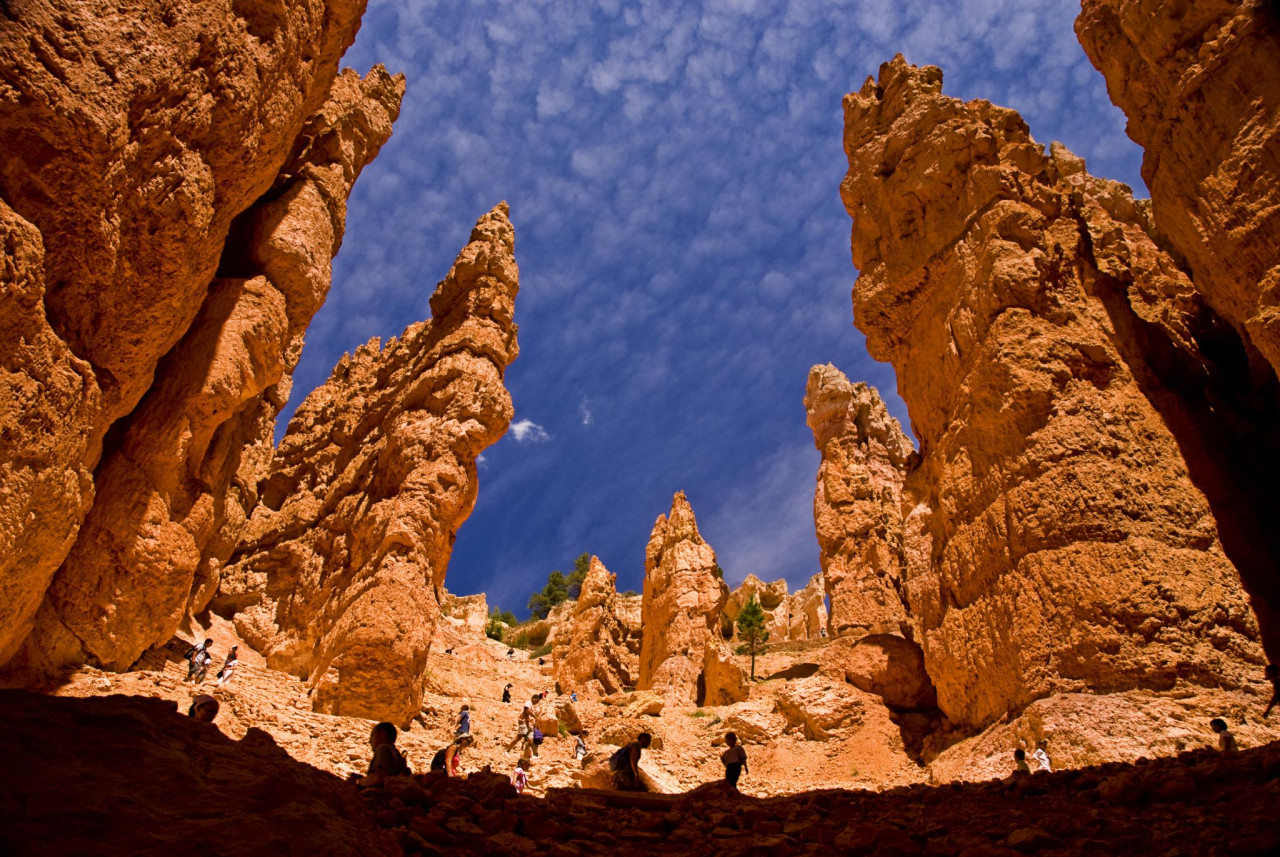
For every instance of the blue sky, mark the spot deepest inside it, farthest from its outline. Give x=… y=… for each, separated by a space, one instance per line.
x=673 y=172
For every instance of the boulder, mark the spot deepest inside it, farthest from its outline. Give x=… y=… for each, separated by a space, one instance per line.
x=816 y=706
x=888 y=666
x=754 y=726
x=725 y=682
x=638 y=704
x=567 y=714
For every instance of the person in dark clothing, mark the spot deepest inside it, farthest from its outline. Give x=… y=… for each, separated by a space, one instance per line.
x=734 y=759
x=506 y=693
x=626 y=763
x=386 y=761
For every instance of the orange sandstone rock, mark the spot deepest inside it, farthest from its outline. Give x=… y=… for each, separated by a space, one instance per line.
x=683 y=603
x=773 y=599
x=1054 y=541
x=808 y=611
x=857 y=508
x=338 y=574
x=592 y=653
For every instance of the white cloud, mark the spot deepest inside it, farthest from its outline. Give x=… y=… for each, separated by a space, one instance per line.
x=584 y=410
x=529 y=431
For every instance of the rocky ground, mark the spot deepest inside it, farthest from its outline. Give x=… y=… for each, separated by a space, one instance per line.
x=129 y=775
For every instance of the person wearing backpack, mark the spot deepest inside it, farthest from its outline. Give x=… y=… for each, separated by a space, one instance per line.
x=450 y=758
x=625 y=764
x=198 y=659
x=387 y=760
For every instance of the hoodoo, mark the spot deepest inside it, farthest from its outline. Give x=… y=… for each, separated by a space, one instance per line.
x=336 y=579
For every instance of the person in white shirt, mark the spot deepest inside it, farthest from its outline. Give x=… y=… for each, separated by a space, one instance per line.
x=735 y=759
x=1041 y=757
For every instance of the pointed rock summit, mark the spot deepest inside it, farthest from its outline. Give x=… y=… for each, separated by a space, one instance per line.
x=593 y=655
x=684 y=600
x=857 y=507
x=337 y=578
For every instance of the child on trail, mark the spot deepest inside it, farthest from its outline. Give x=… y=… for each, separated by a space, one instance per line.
x=626 y=764
x=1042 y=757
x=464 y=721
x=735 y=759
x=228 y=667
x=204 y=708
x=1020 y=761
x=1272 y=672
x=1226 y=741
x=386 y=761
x=520 y=779
x=198 y=659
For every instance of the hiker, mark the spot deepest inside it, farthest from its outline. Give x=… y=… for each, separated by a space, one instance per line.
x=1020 y=765
x=464 y=721
x=1272 y=672
x=1041 y=757
x=204 y=708
x=511 y=654
x=450 y=758
x=735 y=759
x=386 y=761
x=198 y=659
x=506 y=693
x=580 y=746
x=520 y=779
x=625 y=764
x=541 y=662
x=228 y=667
x=1226 y=741
x=573 y=697
x=449 y=651
x=524 y=729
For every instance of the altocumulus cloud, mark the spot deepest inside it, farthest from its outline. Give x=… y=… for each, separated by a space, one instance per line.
x=673 y=171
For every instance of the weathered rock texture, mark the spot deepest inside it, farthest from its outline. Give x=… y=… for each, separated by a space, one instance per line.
x=683 y=603
x=337 y=577
x=1200 y=84
x=857 y=508
x=592 y=653
x=469 y=613
x=773 y=599
x=808 y=610
x=1065 y=548
x=122 y=175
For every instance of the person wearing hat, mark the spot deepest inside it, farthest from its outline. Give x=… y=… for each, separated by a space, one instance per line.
x=204 y=708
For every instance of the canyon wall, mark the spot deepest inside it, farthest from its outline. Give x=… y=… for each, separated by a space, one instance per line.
x=336 y=578
x=1200 y=85
x=123 y=174
x=682 y=607
x=796 y=616
x=857 y=507
x=592 y=652
x=1053 y=538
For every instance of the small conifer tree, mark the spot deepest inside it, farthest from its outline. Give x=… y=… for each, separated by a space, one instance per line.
x=752 y=630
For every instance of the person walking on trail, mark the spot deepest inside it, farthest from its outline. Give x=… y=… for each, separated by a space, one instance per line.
x=506 y=693
x=1041 y=757
x=520 y=778
x=1226 y=741
x=580 y=746
x=387 y=760
x=464 y=721
x=524 y=729
x=734 y=758
x=1020 y=765
x=626 y=764
x=228 y=667
x=204 y=708
x=450 y=758
x=1272 y=672
x=198 y=658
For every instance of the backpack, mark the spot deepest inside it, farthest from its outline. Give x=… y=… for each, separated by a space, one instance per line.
x=619 y=759
x=437 y=761
x=537 y=735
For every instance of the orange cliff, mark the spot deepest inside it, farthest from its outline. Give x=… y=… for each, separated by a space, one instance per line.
x=167 y=223
x=1056 y=542
x=337 y=578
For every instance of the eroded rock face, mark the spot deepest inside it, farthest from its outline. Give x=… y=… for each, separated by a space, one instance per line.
x=337 y=576
x=1200 y=85
x=724 y=682
x=470 y=613
x=857 y=508
x=593 y=653
x=174 y=493
x=886 y=665
x=683 y=603
x=773 y=599
x=1054 y=541
x=128 y=166
x=808 y=610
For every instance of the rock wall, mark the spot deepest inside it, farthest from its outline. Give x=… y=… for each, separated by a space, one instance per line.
x=1200 y=85
x=857 y=507
x=336 y=579
x=470 y=613
x=773 y=599
x=592 y=653
x=808 y=611
x=1054 y=541
x=122 y=175
x=683 y=603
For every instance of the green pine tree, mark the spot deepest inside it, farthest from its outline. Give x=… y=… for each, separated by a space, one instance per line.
x=580 y=567
x=752 y=630
x=555 y=592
